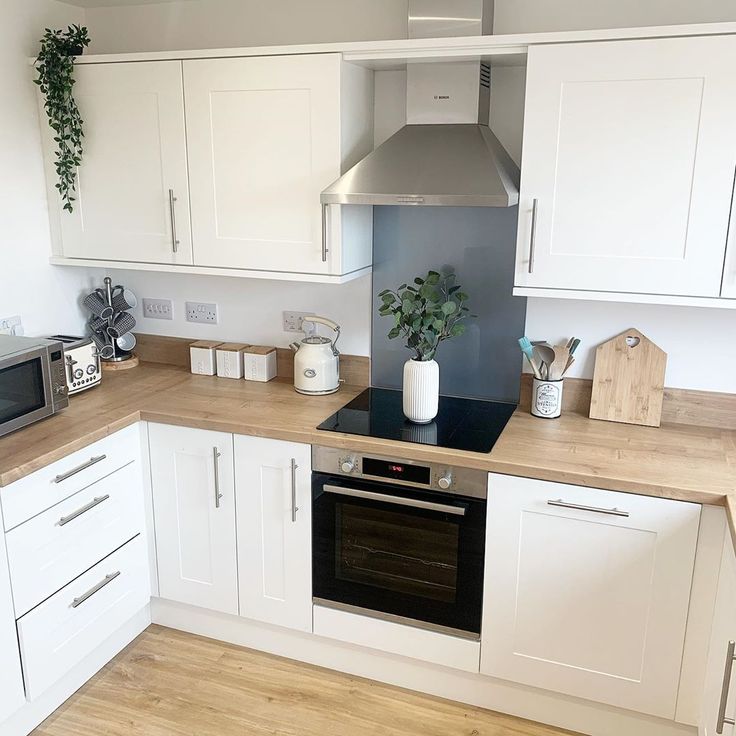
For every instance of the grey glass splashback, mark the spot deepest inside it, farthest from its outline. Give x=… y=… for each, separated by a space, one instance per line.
x=479 y=243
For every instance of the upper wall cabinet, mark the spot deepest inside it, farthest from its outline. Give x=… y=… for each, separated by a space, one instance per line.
x=266 y=135
x=628 y=167
x=728 y=288
x=132 y=191
x=246 y=143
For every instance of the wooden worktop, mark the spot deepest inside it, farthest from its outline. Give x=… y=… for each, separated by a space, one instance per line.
x=679 y=461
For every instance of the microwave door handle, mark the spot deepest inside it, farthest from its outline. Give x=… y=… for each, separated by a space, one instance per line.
x=395 y=500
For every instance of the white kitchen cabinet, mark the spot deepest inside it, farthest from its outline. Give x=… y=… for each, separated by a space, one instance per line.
x=273 y=486
x=12 y=695
x=720 y=668
x=728 y=287
x=628 y=167
x=132 y=187
x=194 y=511
x=265 y=136
x=586 y=591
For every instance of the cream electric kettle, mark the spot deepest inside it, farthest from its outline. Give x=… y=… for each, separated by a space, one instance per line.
x=317 y=361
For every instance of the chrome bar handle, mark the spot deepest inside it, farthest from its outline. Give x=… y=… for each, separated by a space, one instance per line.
x=324 y=232
x=294 y=507
x=95 y=589
x=581 y=507
x=216 y=459
x=69 y=473
x=533 y=235
x=722 y=720
x=87 y=507
x=395 y=500
x=172 y=211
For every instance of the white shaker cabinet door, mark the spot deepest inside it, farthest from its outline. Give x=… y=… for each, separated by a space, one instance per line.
x=12 y=695
x=728 y=287
x=194 y=511
x=586 y=591
x=628 y=166
x=264 y=140
x=132 y=187
x=273 y=482
x=719 y=698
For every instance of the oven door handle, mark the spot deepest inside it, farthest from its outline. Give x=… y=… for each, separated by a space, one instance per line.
x=397 y=500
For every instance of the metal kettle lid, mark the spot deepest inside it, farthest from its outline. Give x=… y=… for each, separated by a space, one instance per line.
x=316 y=340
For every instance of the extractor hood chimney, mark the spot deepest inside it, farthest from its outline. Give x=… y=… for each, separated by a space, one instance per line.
x=446 y=154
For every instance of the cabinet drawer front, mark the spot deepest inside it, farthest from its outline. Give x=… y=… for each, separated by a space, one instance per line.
x=53 y=548
x=64 y=629
x=50 y=485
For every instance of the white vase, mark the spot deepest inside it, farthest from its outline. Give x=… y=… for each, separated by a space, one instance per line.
x=421 y=390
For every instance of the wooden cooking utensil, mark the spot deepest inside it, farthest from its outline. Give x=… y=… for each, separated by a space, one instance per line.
x=628 y=381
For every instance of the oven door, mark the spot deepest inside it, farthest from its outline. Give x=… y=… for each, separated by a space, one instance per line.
x=25 y=389
x=405 y=555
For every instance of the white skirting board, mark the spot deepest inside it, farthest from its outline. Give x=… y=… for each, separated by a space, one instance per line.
x=32 y=714
x=474 y=689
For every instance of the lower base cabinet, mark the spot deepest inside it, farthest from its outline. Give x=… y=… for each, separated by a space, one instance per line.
x=194 y=511
x=12 y=696
x=587 y=591
x=274 y=510
x=719 y=698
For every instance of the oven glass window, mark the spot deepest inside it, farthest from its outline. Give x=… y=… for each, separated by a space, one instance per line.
x=397 y=551
x=21 y=390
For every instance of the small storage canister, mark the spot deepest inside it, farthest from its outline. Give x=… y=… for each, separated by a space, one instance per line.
x=230 y=359
x=260 y=363
x=202 y=356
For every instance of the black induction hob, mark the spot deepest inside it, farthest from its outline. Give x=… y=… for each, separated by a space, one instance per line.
x=461 y=424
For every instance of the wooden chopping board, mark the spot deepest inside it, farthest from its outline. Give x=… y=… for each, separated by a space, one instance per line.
x=628 y=381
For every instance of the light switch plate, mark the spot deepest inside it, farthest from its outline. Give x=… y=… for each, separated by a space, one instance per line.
x=158 y=309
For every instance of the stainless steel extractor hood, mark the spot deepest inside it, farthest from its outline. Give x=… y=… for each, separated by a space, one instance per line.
x=446 y=154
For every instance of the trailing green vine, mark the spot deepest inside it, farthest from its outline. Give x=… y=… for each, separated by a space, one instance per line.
x=55 y=66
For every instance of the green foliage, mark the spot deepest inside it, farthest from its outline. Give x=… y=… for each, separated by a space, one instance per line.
x=55 y=65
x=426 y=313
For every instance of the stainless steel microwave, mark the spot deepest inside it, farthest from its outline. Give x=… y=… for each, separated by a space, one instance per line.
x=32 y=381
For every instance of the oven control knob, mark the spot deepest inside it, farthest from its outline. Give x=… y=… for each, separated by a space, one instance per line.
x=347 y=464
x=445 y=480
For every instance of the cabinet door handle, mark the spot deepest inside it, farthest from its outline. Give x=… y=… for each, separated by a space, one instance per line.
x=87 y=507
x=294 y=507
x=69 y=473
x=216 y=460
x=722 y=720
x=581 y=507
x=533 y=235
x=105 y=581
x=324 y=233
x=172 y=211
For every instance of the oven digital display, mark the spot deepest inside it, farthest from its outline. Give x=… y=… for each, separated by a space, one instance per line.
x=396 y=471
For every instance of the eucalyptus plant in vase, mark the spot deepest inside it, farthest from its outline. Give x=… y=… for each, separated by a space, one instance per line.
x=425 y=314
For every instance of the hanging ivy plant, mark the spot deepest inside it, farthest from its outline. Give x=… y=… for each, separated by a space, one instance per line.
x=55 y=67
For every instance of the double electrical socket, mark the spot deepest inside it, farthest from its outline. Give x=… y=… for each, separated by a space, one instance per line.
x=11 y=326
x=201 y=312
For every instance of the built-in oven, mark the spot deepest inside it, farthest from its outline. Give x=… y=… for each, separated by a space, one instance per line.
x=399 y=540
x=32 y=381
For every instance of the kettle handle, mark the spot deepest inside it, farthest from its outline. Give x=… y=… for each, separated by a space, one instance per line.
x=323 y=321
x=328 y=323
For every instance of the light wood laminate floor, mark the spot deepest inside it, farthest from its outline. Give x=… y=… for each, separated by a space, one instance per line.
x=168 y=683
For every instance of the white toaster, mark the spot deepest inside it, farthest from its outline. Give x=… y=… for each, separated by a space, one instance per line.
x=82 y=366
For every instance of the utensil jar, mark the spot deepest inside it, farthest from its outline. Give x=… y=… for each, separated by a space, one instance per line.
x=546 y=398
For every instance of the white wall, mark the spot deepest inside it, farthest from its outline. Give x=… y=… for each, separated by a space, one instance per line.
x=529 y=16
x=45 y=297
x=250 y=310
x=191 y=24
